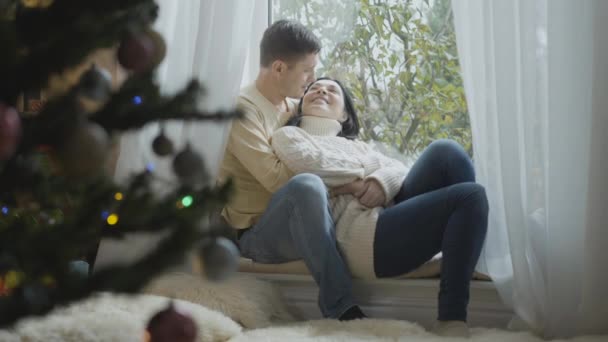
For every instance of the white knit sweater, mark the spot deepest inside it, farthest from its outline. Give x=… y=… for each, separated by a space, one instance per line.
x=315 y=148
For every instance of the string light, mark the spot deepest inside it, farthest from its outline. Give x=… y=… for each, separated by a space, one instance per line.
x=105 y=214
x=137 y=100
x=12 y=279
x=118 y=196
x=150 y=167
x=112 y=219
x=5 y=210
x=48 y=280
x=187 y=201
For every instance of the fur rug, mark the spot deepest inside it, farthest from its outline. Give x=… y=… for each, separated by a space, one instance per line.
x=380 y=330
x=253 y=303
x=248 y=301
x=224 y=309
x=110 y=317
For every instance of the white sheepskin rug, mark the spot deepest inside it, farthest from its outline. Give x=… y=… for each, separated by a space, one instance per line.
x=216 y=309
x=251 y=302
x=380 y=330
x=226 y=307
x=109 y=317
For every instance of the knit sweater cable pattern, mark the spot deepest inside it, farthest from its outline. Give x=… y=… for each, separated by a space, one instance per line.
x=315 y=148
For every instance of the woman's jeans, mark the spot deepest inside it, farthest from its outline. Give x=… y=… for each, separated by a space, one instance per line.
x=439 y=208
x=298 y=225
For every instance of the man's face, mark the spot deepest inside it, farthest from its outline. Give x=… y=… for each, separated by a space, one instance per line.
x=298 y=75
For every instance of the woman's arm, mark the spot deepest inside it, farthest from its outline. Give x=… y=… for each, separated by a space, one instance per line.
x=327 y=158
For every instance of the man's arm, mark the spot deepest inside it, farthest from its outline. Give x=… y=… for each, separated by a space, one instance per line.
x=379 y=187
x=389 y=177
x=248 y=143
x=303 y=154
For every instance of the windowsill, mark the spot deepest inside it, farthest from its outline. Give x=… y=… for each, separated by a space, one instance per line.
x=405 y=299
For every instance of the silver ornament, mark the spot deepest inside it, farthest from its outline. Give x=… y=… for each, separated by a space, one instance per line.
x=162 y=145
x=189 y=167
x=219 y=258
x=84 y=152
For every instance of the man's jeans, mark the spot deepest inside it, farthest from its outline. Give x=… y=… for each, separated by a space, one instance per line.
x=298 y=225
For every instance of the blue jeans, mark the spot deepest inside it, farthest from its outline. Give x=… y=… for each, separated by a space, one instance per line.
x=298 y=225
x=439 y=208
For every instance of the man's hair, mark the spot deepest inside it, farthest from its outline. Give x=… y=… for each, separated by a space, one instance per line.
x=287 y=40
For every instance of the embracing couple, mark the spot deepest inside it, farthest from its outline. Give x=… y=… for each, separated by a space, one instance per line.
x=307 y=188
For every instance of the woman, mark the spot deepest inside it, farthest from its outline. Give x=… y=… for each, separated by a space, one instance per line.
x=390 y=221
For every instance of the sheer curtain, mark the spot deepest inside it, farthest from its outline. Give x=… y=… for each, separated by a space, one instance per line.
x=258 y=26
x=536 y=81
x=207 y=40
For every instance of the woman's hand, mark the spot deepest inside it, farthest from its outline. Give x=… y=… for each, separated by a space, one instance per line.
x=374 y=194
x=369 y=192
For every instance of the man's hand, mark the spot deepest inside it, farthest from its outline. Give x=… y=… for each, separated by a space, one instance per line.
x=369 y=192
x=355 y=188
x=374 y=194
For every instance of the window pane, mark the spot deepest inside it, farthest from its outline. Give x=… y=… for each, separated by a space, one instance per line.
x=399 y=60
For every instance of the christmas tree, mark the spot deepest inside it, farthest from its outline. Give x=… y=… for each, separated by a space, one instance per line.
x=57 y=196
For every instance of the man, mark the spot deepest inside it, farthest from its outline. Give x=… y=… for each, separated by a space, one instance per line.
x=279 y=217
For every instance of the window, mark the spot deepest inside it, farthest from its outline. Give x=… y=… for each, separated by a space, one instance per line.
x=399 y=60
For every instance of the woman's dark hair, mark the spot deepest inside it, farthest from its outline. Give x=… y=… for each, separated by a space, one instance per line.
x=350 y=127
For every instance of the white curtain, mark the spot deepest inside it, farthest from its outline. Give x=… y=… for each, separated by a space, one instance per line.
x=258 y=26
x=536 y=80
x=207 y=40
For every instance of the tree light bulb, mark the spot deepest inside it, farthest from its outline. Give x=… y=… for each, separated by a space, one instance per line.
x=112 y=219
x=187 y=201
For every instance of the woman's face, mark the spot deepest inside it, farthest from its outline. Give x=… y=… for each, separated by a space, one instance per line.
x=324 y=99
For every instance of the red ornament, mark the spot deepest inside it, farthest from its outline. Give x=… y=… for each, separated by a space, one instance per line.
x=170 y=325
x=160 y=49
x=4 y=290
x=136 y=52
x=10 y=131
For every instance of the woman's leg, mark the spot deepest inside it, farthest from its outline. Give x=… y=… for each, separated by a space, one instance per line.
x=453 y=220
x=443 y=162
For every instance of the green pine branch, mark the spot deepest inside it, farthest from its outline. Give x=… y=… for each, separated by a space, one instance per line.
x=46 y=249
x=49 y=41
x=61 y=218
x=122 y=114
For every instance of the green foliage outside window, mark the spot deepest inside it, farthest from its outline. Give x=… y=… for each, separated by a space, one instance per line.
x=400 y=61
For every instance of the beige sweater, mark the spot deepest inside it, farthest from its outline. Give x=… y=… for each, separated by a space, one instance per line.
x=250 y=161
x=315 y=148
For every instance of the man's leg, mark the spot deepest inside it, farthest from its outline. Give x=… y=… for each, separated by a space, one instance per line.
x=298 y=225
